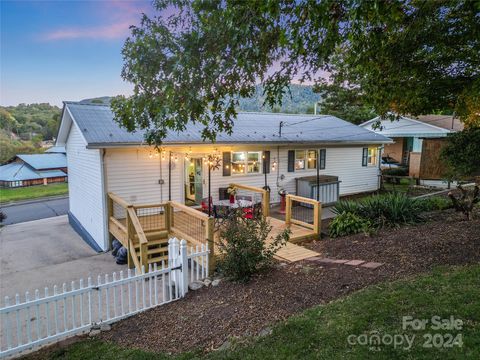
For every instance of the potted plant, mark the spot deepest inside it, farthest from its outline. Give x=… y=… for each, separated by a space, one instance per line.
x=232 y=191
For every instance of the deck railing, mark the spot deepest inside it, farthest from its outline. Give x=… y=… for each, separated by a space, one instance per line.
x=303 y=212
x=262 y=192
x=132 y=224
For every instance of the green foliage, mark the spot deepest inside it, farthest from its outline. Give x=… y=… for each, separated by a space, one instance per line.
x=347 y=223
x=345 y=103
x=461 y=154
x=383 y=210
x=243 y=246
x=28 y=120
x=11 y=146
x=197 y=63
x=435 y=203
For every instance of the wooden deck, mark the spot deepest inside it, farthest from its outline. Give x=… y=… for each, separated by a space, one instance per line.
x=289 y=253
x=149 y=226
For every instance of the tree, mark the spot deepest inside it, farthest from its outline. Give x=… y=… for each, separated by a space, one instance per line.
x=461 y=155
x=406 y=56
x=7 y=121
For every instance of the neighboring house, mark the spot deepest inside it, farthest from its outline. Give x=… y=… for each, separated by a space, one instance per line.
x=103 y=157
x=417 y=142
x=36 y=169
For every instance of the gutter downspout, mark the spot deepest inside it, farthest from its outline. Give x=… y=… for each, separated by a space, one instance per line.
x=103 y=179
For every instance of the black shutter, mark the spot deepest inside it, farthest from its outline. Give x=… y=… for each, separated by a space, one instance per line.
x=323 y=156
x=365 y=157
x=227 y=163
x=266 y=162
x=291 y=160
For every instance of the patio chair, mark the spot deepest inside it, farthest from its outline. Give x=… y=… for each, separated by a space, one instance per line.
x=204 y=205
x=220 y=214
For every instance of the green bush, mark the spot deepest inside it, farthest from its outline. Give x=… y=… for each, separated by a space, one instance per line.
x=348 y=223
x=384 y=210
x=436 y=203
x=243 y=246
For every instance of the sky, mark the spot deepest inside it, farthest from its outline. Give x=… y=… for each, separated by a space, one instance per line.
x=51 y=51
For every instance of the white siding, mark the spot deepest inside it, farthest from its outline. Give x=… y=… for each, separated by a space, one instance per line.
x=85 y=186
x=134 y=175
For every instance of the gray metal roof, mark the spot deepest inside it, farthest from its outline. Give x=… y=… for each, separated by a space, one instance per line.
x=56 y=149
x=17 y=171
x=99 y=129
x=45 y=161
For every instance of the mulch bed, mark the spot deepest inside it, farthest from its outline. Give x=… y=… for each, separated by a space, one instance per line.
x=209 y=317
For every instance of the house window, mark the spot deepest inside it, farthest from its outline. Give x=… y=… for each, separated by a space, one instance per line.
x=246 y=162
x=369 y=157
x=311 y=159
x=306 y=159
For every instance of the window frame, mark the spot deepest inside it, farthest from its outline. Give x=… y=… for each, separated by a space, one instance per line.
x=368 y=154
x=306 y=162
x=245 y=163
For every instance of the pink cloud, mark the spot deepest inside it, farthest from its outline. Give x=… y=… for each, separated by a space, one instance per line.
x=119 y=16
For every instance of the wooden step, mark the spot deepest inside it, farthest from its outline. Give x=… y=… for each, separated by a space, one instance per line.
x=154 y=242
x=157 y=250
x=154 y=235
x=157 y=259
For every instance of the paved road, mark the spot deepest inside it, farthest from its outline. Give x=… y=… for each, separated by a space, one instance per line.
x=34 y=210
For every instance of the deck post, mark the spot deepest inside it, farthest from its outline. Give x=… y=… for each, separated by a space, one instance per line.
x=129 y=239
x=288 y=210
x=317 y=218
x=266 y=203
x=168 y=216
x=210 y=229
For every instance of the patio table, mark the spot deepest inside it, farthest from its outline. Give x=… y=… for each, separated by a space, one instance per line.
x=238 y=203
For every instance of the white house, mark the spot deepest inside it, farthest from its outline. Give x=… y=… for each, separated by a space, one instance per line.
x=264 y=148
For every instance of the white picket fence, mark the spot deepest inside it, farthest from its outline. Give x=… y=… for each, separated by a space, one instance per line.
x=69 y=311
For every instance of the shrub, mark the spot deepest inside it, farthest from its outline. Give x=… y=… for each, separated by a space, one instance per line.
x=243 y=246
x=347 y=223
x=384 y=210
x=435 y=203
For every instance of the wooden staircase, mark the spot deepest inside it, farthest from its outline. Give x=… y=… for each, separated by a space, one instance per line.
x=157 y=247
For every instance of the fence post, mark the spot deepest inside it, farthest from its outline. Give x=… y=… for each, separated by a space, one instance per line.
x=184 y=264
x=168 y=218
x=129 y=238
x=210 y=233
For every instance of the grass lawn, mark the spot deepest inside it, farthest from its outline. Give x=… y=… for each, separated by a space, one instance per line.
x=322 y=332
x=32 y=192
x=402 y=187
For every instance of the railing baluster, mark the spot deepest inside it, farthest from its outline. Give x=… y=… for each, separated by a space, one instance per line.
x=74 y=323
x=29 y=330
x=198 y=270
x=155 y=283
x=121 y=294
x=47 y=312
x=17 y=318
x=55 y=307
x=129 y=286
x=81 y=303
x=164 y=295
x=136 y=289
x=65 y=327
x=150 y=279
x=107 y=297
x=143 y=288
x=8 y=324
x=37 y=314
x=115 y=312
x=100 y=299
x=89 y=298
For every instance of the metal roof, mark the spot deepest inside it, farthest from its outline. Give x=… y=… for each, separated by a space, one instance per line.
x=17 y=171
x=405 y=127
x=99 y=129
x=56 y=149
x=45 y=161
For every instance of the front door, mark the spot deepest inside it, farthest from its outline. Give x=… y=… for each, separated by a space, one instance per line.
x=193 y=181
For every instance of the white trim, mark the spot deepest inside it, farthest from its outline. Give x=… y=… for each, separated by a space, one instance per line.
x=446 y=131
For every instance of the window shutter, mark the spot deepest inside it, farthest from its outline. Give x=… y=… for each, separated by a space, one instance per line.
x=266 y=162
x=365 y=157
x=291 y=160
x=227 y=163
x=323 y=157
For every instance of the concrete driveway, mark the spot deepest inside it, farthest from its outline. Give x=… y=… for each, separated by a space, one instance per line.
x=47 y=252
